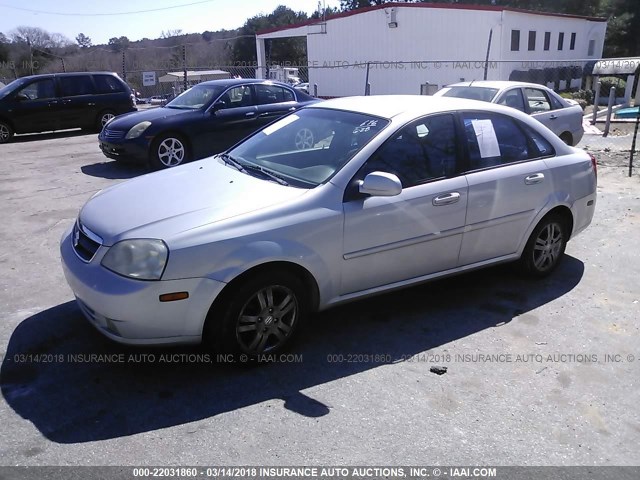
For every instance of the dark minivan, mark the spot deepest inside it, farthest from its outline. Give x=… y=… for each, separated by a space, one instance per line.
x=57 y=101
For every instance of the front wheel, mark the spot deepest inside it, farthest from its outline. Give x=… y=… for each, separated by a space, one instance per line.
x=6 y=132
x=168 y=151
x=104 y=118
x=262 y=316
x=546 y=246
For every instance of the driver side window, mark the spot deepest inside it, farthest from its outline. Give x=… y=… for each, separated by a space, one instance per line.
x=39 y=90
x=421 y=151
x=237 y=97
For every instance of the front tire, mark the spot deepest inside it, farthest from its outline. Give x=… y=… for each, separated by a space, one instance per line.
x=262 y=316
x=545 y=248
x=169 y=151
x=6 y=132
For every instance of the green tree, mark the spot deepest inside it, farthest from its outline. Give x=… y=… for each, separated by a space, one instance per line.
x=83 y=41
x=292 y=50
x=119 y=44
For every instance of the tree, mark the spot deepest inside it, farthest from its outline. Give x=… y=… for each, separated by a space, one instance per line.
x=291 y=50
x=119 y=44
x=34 y=37
x=83 y=41
x=4 y=48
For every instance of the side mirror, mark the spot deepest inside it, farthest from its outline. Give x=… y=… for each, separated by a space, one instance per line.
x=219 y=105
x=381 y=184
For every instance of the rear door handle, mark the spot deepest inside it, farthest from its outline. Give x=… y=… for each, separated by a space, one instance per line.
x=446 y=199
x=535 y=178
x=552 y=117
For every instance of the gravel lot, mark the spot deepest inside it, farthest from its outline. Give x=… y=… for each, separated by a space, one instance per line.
x=528 y=380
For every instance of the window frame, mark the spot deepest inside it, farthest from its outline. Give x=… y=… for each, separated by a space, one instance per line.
x=572 y=42
x=547 y=41
x=560 y=41
x=515 y=40
x=531 y=46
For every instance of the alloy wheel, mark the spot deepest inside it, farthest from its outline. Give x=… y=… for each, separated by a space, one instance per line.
x=548 y=247
x=171 y=152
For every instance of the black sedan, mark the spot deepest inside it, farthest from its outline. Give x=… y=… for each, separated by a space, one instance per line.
x=206 y=119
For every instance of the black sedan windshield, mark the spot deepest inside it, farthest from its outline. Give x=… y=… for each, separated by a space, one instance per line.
x=200 y=96
x=308 y=147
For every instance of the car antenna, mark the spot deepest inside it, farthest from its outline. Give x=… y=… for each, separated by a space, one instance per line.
x=471 y=82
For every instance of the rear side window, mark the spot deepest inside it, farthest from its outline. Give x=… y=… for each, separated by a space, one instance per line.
x=76 y=85
x=513 y=99
x=273 y=94
x=537 y=100
x=108 y=84
x=494 y=140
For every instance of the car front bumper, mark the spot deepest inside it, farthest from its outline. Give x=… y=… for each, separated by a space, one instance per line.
x=129 y=311
x=135 y=150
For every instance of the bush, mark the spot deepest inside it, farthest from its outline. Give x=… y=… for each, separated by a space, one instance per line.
x=583 y=97
x=607 y=82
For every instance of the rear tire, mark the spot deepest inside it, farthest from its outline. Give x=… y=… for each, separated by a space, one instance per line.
x=545 y=248
x=6 y=132
x=262 y=316
x=567 y=138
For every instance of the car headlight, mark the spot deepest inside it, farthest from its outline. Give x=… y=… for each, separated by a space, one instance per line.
x=142 y=259
x=137 y=130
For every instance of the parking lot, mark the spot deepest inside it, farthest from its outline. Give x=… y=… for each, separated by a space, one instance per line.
x=538 y=372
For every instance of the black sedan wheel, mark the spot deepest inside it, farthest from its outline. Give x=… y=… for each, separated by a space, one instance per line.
x=169 y=151
x=6 y=132
x=545 y=247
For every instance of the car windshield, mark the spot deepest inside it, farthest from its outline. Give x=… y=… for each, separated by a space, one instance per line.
x=7 y=89
x=196 y=97
x=484 y=94
x=308 y=147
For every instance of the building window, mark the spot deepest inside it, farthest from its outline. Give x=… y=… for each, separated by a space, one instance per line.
x=547 y=40
x=515 y=40
x=560 y=40
x=572 y=45
x=592 y=48
x=532 y=40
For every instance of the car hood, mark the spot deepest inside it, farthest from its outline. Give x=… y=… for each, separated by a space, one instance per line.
x=167 y=203
x=128 y=120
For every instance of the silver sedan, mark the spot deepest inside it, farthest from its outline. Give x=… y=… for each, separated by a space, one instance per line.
x=239 y=248
x=563 y=117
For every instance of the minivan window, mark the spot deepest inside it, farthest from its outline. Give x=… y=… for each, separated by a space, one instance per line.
x=76 y=85
x=38 y=90
x=107 y=84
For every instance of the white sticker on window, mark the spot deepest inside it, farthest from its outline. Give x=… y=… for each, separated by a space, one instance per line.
x=282 y=123
x=486 y=136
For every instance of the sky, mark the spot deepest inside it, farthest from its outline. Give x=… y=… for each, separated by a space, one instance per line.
x=191 y=16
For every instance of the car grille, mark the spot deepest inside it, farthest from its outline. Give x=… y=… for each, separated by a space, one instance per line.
x=113 y=134
x=85 y=245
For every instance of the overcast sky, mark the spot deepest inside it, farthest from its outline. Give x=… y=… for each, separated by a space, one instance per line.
x=191 y=16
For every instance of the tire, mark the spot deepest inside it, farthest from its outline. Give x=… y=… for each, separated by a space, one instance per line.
x=168 y=151
x=263 y=315
x=305 y=138
x=545 y=248
x=104 y=118
x=6 y=132
x=567 y=138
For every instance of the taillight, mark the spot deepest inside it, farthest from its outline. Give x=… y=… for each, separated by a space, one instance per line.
x=594 y=164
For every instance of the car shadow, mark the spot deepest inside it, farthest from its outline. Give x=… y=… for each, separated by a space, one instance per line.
x=35 y=137
x=49 y=378
x=114 y=170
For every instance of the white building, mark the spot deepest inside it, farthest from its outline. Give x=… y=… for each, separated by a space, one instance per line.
x=441 y=43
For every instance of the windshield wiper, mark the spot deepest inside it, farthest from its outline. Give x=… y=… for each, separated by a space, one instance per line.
x=229 y=160
x=266 y=173
x=245 y=167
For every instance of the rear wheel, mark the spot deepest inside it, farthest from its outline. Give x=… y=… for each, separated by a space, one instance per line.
x=6 y=132
x=169 y=151
x=262 y=316
x=546 y=246
x=567 y=138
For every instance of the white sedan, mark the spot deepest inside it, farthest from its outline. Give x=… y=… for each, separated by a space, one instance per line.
x=239 y=248
x=563 y=117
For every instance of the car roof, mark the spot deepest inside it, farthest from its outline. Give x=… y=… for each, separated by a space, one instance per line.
x=231 y=82
x=65 y=74
x=389 y=106
x=499 y=84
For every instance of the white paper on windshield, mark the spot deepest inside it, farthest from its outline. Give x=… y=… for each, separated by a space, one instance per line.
x=486 y=136
x=282 y=123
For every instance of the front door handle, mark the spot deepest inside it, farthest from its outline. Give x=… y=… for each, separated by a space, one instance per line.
x=533 y=179
x=249 y=114
x=553 y=117
x=446 y=199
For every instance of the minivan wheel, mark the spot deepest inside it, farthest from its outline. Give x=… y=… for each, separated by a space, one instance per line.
x=546 y=246
x=104 y=118
x=6 y=132
x=168 y=151
x=262 y=316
